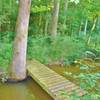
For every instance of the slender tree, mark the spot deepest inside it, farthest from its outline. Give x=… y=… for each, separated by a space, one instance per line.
x=65 y=15
x=85 y=27
x=18 y=67
x=54 y=18
x=94 y=24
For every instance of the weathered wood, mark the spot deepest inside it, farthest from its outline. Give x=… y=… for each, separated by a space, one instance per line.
x=52 y=82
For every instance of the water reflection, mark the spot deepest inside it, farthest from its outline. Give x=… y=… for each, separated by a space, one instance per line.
x=27 y=90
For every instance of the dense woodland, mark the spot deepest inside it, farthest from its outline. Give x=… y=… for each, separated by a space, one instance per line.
x=78 y=29
x=60 y=32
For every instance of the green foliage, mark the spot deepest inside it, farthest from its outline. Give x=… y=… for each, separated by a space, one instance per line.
x=74 y=95
x=7 y=37
x=67 y=47
x=8 y=14
x=89 y=82
x=41 y=8
x=95 y=41
x=63 y=92
x=63 y=48
x=84 y=67
x=5 y=55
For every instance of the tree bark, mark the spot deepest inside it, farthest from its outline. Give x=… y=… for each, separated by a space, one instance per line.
x=65 y=15
x=54 y=18
x=80 y=27
x=18 y=67
x=46 y=27
x=65 y=9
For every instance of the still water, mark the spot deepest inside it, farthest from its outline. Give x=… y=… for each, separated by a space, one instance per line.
x=26 y=90
x=30 y=90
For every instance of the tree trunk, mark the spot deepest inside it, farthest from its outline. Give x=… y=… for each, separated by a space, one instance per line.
x=93 y=27
x=94 y=24
x=46 y=27
x=54 y=19
x=85 y=27
x=80 y=27
x=65 y=9
x=65 y=15
x=18 y=67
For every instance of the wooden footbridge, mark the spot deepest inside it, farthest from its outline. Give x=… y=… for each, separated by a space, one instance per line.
x=58 y=87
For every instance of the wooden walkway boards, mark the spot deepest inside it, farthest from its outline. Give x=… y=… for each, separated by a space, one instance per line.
x=58 y=87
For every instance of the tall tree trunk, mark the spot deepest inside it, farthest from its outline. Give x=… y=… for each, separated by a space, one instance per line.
x=65 y=13
x=46 y=27
x=18 y=67
x=93 y=27
x=85 y=27
x=65 y=9
x=54 y=18
x=94 y=24
x=80 y=27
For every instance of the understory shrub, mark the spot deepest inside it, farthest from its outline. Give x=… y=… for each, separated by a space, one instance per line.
x=63 y=48
x=5 y=54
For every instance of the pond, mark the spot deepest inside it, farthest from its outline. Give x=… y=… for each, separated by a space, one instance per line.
x=26 y=90
x=30 y=90
x=86 y=75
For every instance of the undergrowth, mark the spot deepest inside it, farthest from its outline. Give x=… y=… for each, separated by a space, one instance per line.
x=63 y=49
